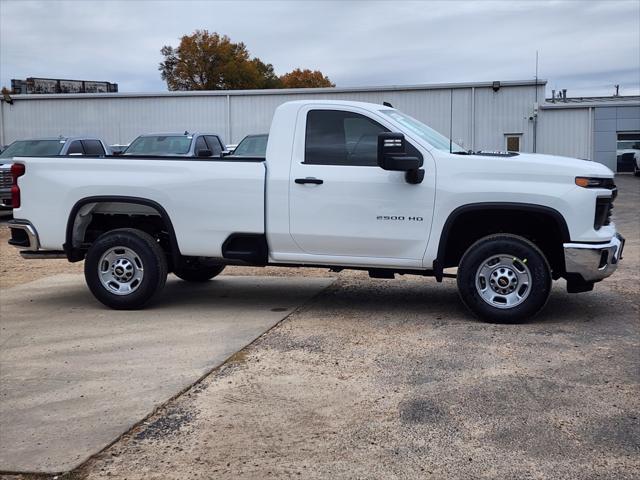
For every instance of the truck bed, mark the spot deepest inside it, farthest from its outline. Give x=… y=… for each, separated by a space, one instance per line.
x=206 y=200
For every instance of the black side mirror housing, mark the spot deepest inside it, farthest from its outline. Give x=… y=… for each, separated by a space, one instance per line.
x=204 y=153
x=392 y=156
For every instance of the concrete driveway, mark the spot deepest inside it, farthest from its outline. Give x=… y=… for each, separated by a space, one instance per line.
x=74 y=376
x=395 y=380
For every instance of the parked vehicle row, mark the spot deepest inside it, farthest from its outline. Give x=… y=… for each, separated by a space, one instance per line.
x=343 y=185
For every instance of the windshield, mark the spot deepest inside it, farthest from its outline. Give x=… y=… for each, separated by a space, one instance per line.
x=630 y=145
x=432 y=137
x=252 y=146
x=33 y=148
x=160 y=145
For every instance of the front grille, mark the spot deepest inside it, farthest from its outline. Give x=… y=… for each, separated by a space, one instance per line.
x=6 y=179
x=604 y=208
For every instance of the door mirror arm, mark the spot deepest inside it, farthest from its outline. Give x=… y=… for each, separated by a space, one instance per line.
x=392 y=156
x=414 y=176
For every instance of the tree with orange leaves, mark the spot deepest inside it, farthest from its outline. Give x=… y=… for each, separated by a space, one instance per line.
x=305 y=79
x=210 y=61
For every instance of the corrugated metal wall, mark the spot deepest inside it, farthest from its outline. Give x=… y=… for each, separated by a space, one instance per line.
x=119 y=118
x=566 y=132
x=587 y=131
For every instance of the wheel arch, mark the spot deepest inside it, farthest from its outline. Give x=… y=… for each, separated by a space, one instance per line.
x=497 y=210
x=75 y=254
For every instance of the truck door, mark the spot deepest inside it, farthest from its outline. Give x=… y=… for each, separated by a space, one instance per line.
x=342 y=204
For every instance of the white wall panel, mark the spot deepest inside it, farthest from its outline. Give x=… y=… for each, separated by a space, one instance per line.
x=504 y=112
x=117 y=120
x=566 y=132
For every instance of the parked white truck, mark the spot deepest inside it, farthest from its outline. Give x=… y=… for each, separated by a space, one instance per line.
x=343 y=185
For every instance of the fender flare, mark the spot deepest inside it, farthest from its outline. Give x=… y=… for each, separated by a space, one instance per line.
x=74 y=255
x=438 y=263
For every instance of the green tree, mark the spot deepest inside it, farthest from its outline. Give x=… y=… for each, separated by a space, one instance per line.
x=208 y=61
x=305 y=79
x=266 y=74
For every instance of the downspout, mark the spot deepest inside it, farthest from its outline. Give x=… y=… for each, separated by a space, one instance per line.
x=535 y=117
x=473 y=119
x=228 y=129
x=1 y=123
x=591 y=137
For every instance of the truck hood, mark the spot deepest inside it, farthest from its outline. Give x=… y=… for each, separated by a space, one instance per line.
x=546 y=165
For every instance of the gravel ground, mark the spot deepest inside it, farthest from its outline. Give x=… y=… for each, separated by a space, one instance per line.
x=394 y=379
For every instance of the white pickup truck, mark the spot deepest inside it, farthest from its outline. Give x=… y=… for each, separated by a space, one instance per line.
x=344 y=185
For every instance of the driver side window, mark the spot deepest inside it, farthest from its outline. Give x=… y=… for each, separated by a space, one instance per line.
x=336 y=137
x=200 y=145
x=341 y=138
x=75 y=148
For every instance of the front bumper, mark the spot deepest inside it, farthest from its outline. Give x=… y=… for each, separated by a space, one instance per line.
x=593 y=262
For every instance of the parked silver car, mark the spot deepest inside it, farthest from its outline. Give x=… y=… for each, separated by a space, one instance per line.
x=44 y=147
x=176 y=145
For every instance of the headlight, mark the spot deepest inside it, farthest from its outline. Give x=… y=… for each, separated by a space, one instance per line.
x=594 y=182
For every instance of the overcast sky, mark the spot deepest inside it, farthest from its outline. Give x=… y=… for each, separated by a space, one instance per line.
x=585 y=46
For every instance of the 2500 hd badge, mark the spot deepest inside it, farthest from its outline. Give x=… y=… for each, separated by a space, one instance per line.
x=399 y=218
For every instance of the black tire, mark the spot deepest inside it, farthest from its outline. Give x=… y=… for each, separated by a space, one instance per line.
x=198 y=272
x=527 y=260
x=146 y=252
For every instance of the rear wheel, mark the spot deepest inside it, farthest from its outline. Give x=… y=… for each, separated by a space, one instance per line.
x=198 y=271
x=504 y=278
x=125 y=269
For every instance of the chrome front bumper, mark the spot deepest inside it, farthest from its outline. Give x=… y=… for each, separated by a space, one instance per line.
x=593 y=262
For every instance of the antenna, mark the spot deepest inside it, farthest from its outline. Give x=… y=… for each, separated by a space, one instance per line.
x=536 y=76
x=451 y=121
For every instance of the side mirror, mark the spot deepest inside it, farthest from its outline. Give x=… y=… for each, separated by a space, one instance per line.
x=392 y=156
x=204 y=153
x=117 y=153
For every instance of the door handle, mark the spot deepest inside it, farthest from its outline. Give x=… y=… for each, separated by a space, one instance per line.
x=315 y=181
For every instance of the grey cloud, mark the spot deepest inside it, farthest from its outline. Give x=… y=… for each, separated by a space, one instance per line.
x=584 y=46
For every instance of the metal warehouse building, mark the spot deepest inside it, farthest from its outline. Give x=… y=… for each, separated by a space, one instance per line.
x=481 y=116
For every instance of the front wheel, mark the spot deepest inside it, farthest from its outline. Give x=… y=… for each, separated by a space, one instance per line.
x=125 y=269
x=504 y=278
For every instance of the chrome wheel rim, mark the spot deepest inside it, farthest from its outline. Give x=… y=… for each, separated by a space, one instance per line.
x=120 y=271
x=503 y=281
